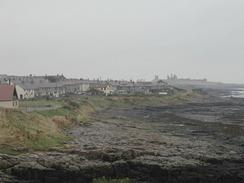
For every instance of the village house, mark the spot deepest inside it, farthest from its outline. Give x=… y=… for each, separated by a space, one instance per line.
x=84 y=87
x=61 y=88
x=73 y=86
x=108 y=90
x=96 y=84
x=49 y=90
x=25 y=91
x=32 y=87
x=8 y=96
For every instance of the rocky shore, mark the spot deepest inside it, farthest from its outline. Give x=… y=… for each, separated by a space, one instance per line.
x=191 y=142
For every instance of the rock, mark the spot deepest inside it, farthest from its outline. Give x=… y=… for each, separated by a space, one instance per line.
x=155 y=149
x=7 y=161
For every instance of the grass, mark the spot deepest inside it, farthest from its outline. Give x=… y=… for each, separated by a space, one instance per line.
x=124 y=101
x=8 y=150
x=105 y=180
x=43 y=143
x=40 y=103
x=40 y=130
x=21 y=130
x=57 y=112
x=77 y=110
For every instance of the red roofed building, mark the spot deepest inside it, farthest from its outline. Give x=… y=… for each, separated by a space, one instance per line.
x=8 y=96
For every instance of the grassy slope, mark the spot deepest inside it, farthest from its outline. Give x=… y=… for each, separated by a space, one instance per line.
x=20 y=130
x=100 y=103
x=43 y=130
x=40 y=103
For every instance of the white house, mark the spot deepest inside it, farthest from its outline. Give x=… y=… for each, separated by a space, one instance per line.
x=25 y=92
x=108 y=90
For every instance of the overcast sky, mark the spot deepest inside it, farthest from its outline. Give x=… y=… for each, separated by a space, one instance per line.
x=123 y=38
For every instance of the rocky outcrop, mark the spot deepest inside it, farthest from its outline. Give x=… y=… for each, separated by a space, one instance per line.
x=139 y=166
x=193 y=143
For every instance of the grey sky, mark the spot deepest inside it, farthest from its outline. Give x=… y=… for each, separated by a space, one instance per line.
x=123 y=38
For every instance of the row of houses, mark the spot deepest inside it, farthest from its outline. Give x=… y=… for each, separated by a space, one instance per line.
x=30 y=87
x=10 y=94
x=143 y=88
x=58 y=89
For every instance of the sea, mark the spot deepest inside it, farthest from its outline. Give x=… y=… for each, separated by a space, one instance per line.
x=236 y=93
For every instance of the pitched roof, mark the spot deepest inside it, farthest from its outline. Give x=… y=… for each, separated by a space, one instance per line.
x=37 y=85
x=6 y=92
